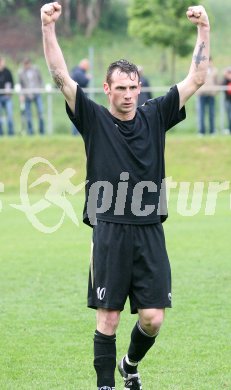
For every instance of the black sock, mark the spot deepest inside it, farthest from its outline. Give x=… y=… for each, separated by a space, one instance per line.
x=130 y=368
x=105 y=359
x=139 y=346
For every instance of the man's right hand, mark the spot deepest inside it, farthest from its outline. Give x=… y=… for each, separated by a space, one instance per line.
x=50 y=13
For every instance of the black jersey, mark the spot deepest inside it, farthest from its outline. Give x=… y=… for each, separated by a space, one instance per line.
x=125 y=159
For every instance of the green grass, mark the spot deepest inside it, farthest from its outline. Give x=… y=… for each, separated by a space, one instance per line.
x=187 y=157
x=46 y=330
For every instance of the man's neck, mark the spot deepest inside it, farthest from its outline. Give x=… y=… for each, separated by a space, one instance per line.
x=123 y=116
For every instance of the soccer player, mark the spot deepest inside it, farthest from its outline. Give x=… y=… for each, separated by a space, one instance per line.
x=125 y=171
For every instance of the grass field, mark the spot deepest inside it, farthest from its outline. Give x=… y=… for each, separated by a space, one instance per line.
x=46 y=331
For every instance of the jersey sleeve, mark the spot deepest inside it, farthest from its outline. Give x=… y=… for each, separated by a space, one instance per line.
x=169 y=108
x=85 y=112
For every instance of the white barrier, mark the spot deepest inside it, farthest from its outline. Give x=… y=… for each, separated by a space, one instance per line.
x=50 y=91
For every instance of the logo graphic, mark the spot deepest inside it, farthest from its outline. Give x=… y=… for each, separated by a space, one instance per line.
x=101 y=293
x=169 y=296
x=103 y=196
x=106 y=388
x=60 y=185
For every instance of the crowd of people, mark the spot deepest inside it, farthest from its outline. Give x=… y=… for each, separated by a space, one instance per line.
x=206 y=101
x=30 y=81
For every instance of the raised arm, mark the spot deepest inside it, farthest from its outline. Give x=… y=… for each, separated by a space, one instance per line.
x=50 y=13
x=200 y=61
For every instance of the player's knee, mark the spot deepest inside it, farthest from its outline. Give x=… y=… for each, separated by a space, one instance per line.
x=151 y=320
x=107 y=321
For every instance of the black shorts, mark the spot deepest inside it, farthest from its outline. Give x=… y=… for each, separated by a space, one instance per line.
x=129 y=261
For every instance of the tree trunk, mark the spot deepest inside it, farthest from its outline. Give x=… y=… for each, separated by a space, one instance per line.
x=163 y=62
x=81 y=16
x=93 y=15
x=173 y=66
x=67 y=16
x=88 y=14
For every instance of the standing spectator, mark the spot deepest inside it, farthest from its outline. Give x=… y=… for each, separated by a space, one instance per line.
x=30 y=78
x=82 y=78
x=206 y=100
x=227 y=83
x=144 y=95
x=6 y=83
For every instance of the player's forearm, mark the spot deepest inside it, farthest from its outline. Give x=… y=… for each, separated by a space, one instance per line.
x=200 y=61
x=54 y=57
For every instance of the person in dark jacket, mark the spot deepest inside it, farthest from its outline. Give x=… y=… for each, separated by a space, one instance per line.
x=227 y=82
x=82 y=78
x=6 y=84
x=144 y=95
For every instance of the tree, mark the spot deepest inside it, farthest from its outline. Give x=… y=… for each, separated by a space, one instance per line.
x=163 y=22
x=67 y=15
x=6 y=3
x=13 y=4
x=88 y=14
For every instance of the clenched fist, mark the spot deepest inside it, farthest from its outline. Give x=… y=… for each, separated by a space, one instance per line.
x=50 y=12
x=197 y=15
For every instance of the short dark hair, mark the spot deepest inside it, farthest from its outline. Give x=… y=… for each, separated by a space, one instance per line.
x=124 y=66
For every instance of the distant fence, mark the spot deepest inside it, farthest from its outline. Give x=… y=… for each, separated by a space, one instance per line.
x=49 y=92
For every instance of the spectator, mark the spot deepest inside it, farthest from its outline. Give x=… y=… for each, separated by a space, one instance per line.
x=30 y=79
x=227 y=83
x=80 y=75
x=206 y=100
x=6 y=83
x=144 y=95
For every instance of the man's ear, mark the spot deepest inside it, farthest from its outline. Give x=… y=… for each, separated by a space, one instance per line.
x=106 y=89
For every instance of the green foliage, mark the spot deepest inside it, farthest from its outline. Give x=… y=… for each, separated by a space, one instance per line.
x=13 y=4
x=24 y=14
x=163 y=22
x=114 y=17
x=5 y=3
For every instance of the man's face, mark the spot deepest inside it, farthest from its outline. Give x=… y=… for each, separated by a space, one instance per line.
x=123 y=94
